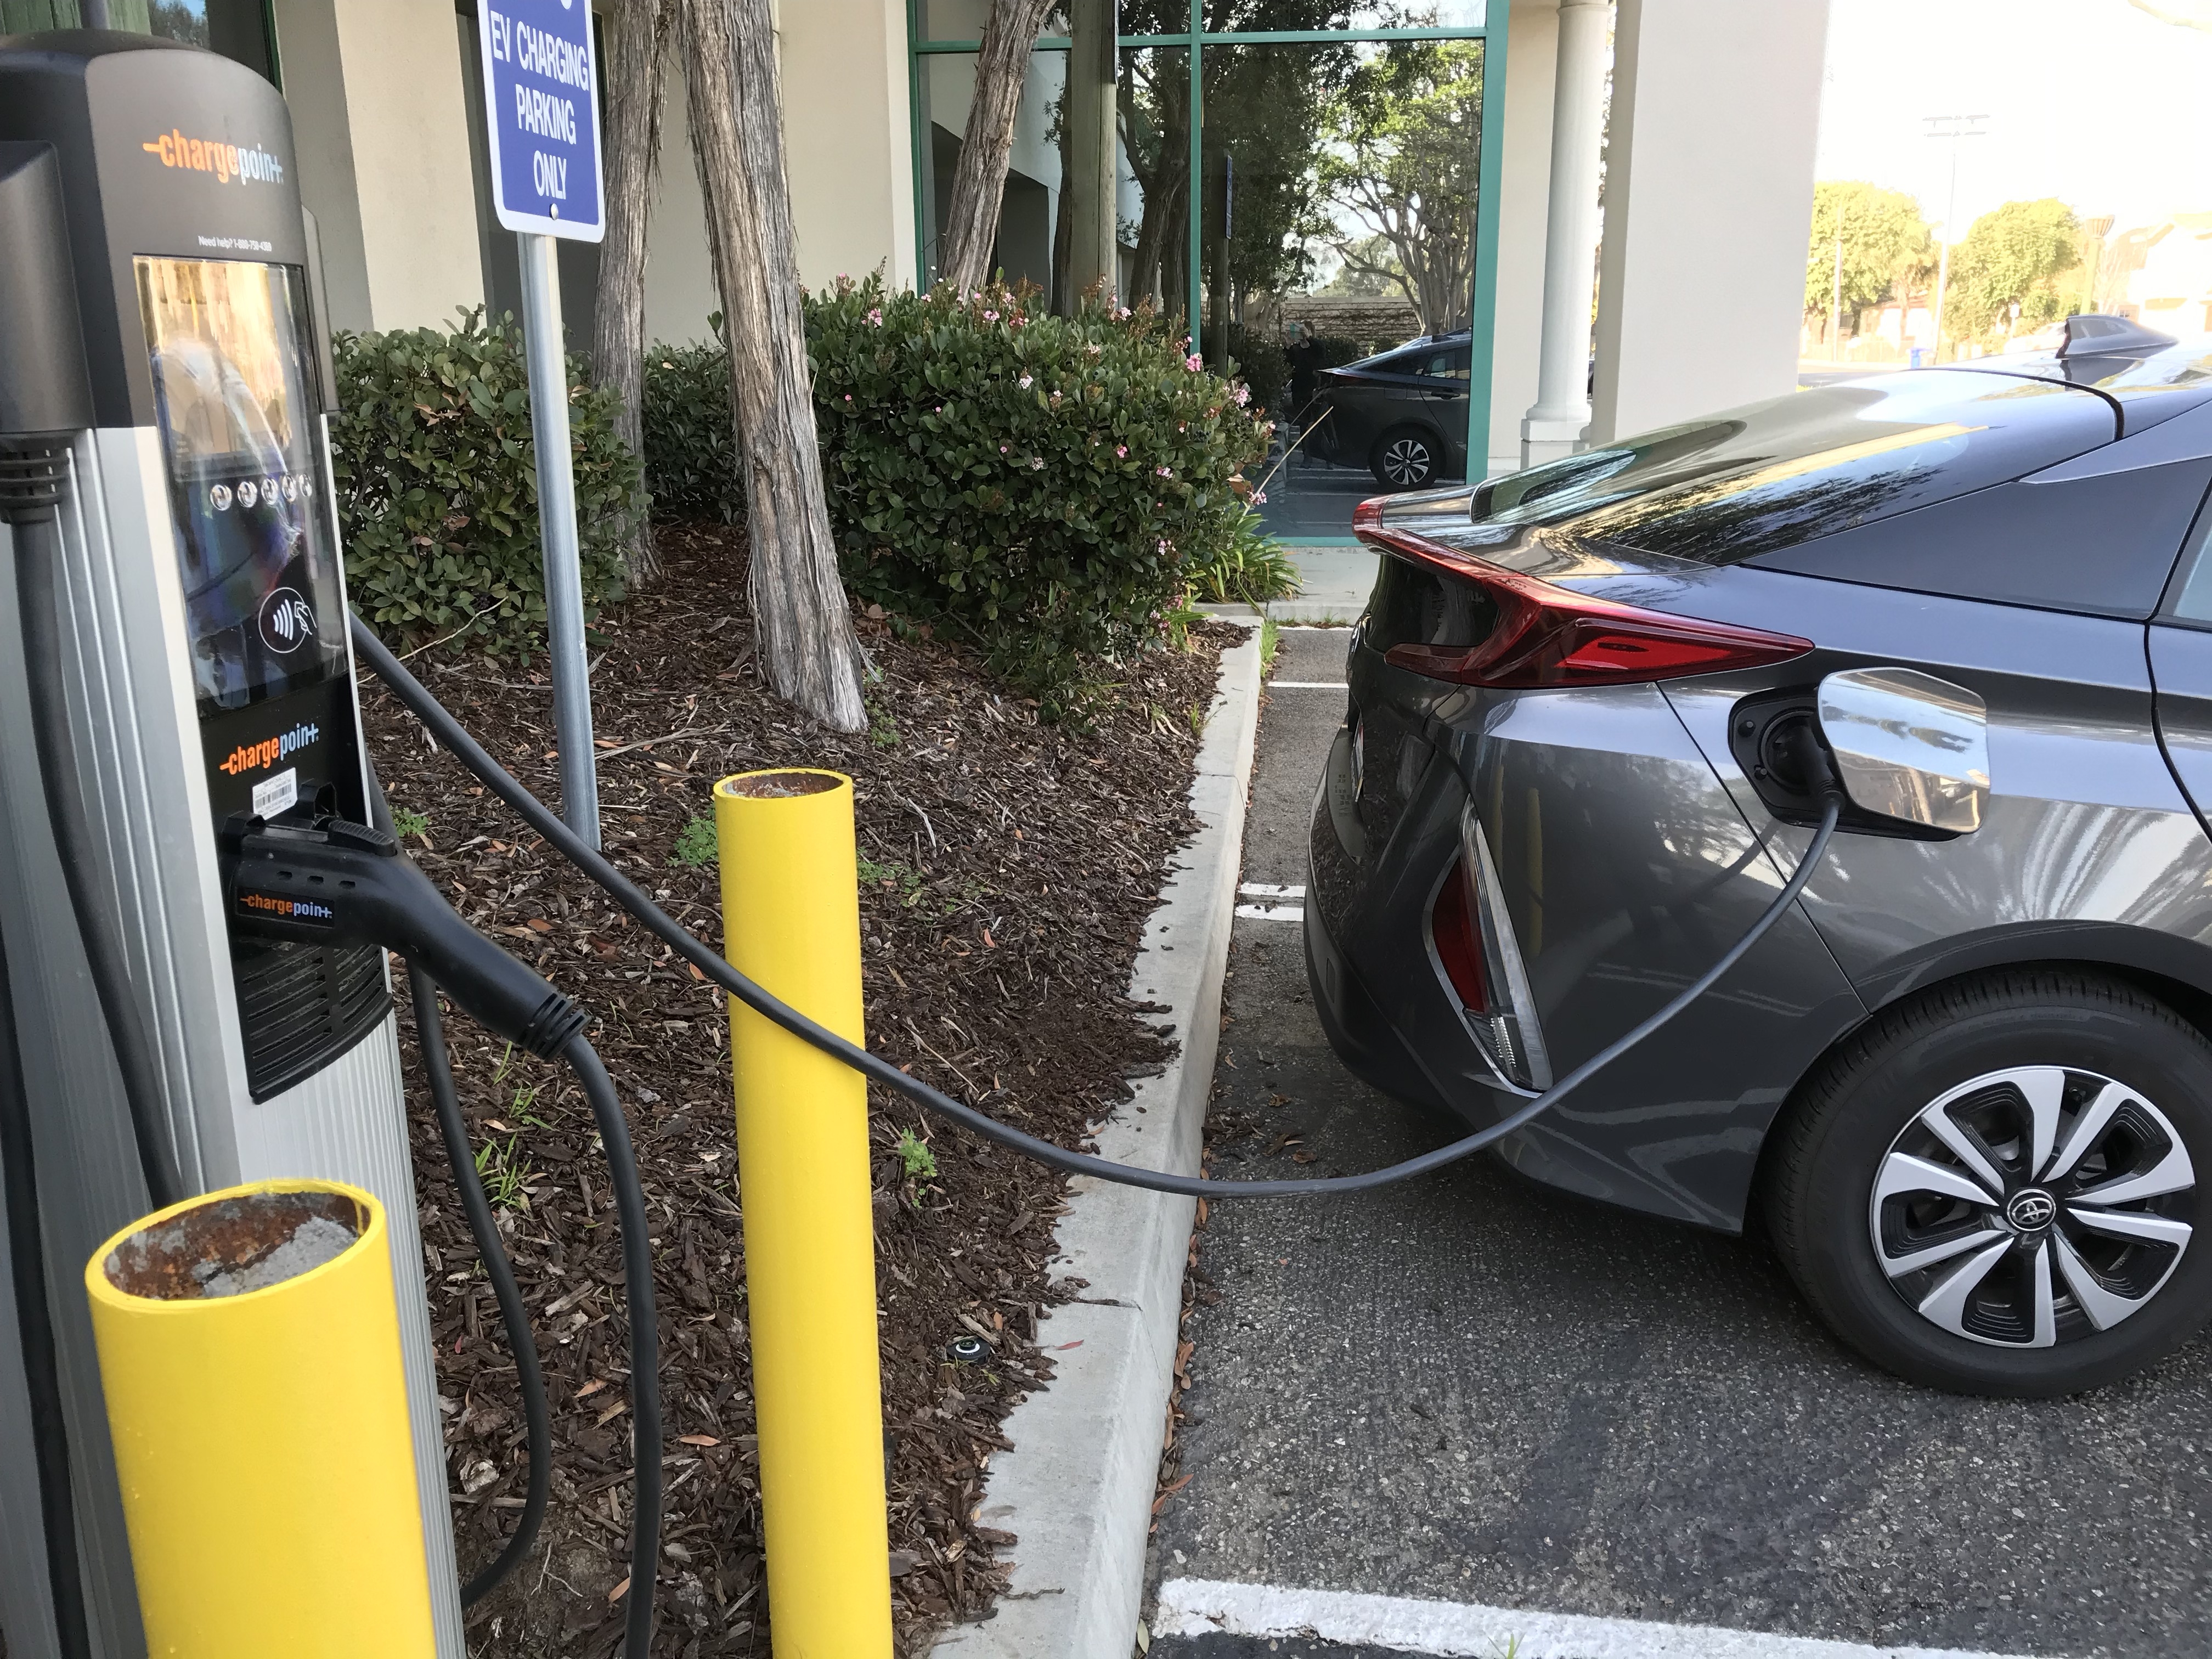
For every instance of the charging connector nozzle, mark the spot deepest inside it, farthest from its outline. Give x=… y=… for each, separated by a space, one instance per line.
x=332 y=882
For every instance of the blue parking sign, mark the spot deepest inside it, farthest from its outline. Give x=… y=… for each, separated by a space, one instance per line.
x=542 y=115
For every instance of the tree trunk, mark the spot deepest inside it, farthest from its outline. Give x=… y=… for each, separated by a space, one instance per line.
x=802 y=625
x=1089 y=173
x=634 y=71
x=979 y=183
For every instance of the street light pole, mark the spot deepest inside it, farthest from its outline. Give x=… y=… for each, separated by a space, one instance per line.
x=1953 y=127
x=1836 y=296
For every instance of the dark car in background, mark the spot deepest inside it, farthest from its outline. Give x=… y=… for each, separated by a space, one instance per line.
x=1966 y=1081
x=1401 y=414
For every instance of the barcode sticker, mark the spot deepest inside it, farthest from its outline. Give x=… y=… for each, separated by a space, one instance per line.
x=272 y=795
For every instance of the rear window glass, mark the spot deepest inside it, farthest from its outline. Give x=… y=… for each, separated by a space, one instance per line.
x=1768 y=475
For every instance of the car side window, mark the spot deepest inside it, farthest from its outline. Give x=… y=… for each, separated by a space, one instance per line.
x=2192 y=599
x=1447 y=366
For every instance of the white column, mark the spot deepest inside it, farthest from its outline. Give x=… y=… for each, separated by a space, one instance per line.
x=1708 y=206
x=1553 y=425
x=1524 y=184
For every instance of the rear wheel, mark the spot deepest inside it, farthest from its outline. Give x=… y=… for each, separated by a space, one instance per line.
x=1993 y=1188
x=1405 y=458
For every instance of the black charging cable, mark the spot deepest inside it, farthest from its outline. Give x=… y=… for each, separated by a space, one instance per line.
x=483 y=1227
x=34 y=482
x=34 y=1334
x=450 y=732
x=513 y=1316
x=328 y=880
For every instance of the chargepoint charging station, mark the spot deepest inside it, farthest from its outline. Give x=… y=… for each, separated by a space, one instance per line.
x=161 y=325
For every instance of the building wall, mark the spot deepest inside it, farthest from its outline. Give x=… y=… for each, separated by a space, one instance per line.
x=680 y=294
x=380 y=123
x=848 y=145
x=1523 y=205
x=1709 y=202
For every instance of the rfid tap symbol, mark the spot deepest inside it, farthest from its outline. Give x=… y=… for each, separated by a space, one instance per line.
x=288 y=621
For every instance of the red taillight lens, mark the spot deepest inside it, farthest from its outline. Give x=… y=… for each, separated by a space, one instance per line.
x=1551 y=636
x=1367 y=516
x=1459 y=940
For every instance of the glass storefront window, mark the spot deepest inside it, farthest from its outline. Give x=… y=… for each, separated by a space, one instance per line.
x=238 y=29
x=963 y=19
x=1323 y=231
x=1336 y=246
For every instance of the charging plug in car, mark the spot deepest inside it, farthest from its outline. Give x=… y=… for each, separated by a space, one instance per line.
x=1777 y=739
x=329 y=881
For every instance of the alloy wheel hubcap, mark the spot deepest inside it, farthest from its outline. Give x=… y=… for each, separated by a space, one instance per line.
x=2033 y=1206
x=1407 y=461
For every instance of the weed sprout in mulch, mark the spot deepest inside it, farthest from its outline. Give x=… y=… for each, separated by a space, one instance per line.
x=1007 y=867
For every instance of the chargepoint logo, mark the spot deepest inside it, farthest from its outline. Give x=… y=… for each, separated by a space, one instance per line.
x=224 y=159
x=289 y=909
x=254 y=756
x=288 y=621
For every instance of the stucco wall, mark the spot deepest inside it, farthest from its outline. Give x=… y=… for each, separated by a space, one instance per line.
x=1709 y=201
x=381 y=125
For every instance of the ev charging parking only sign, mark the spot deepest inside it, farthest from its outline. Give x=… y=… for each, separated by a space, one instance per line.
x=541 y=87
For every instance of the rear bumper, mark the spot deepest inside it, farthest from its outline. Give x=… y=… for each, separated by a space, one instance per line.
x=1362 y=1035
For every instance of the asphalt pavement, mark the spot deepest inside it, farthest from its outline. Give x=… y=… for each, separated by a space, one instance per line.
x=1472 y=1391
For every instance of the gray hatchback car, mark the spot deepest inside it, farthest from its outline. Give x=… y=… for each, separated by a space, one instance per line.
x=1966 y=1082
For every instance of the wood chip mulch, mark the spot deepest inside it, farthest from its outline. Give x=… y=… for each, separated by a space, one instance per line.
x=1008 y=869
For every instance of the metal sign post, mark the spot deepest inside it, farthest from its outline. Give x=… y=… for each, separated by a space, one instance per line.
x=541 y=115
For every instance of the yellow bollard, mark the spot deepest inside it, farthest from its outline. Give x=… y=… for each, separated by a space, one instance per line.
x=261 y=1435
x=791 y=920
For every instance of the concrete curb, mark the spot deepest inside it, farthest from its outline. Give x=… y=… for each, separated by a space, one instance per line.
x=1077 y=1489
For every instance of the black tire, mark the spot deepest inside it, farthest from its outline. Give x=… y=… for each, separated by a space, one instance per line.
x=1868 y=1100
x=1405 y=458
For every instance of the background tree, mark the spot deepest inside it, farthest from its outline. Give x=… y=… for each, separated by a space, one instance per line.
x=1886 y=243
x=1402 y=163
x=979 y=181
x=633 y=69
x=802 y=626
x=2010 y=256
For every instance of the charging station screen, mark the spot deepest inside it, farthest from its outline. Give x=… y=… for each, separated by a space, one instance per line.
x=232 y=392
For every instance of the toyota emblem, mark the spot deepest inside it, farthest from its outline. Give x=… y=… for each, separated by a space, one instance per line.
x=2031 y=1209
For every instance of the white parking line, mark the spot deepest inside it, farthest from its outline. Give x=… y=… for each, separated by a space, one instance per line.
x=1308 y=685
x=1271 y=912
x=1265 y=890
x=1196 y=1606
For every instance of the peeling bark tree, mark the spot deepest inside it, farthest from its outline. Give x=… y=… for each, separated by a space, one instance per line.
x=803 y=627
x=632 y=70
x=979 y=183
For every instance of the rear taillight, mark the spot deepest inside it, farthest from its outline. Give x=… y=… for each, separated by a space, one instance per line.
x=1458 y=939
x=1552 y=637
x=1367 y=516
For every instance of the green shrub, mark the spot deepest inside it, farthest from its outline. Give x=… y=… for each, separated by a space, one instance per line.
x=690 y=448
x=1257 y=356
x=1037 y=484
x=1248 y=567
x=437 y=483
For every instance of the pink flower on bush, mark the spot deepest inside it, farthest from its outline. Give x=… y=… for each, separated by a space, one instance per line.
x=1259 y=498
x=1244 y=395
x=1166 y=472
x=1002 y=449
x=990 y=316
x=1037 y=462
x=1122 y=451
x=1025 y=382
x=876 y=318
x=1193 y=362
